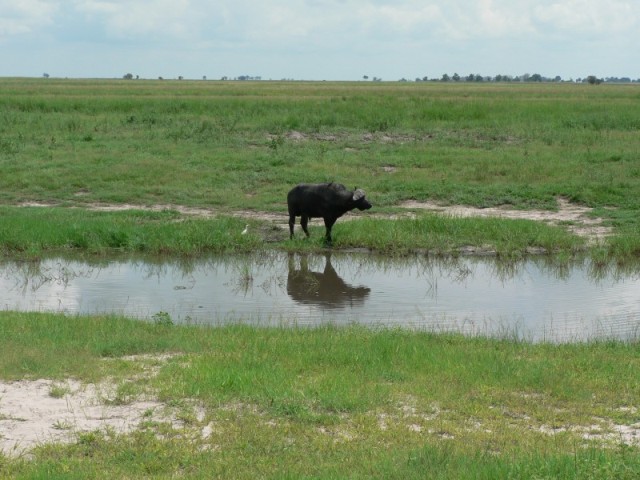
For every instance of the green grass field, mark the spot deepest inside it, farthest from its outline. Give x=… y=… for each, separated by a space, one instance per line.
x=241 y=146
x=331 y=402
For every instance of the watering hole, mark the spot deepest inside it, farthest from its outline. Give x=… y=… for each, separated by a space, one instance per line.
x=537 y=299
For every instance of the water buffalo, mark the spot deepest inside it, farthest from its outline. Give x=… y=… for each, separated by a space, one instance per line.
x=327 y=200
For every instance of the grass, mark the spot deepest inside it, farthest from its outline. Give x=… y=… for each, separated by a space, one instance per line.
x=448 y=235
x=332 y=402
x=242 y=145
x=33 y=231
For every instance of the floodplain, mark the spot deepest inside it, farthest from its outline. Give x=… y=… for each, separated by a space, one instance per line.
x=179 y=168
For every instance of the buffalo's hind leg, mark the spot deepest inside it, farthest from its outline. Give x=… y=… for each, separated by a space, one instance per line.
x=292 y=223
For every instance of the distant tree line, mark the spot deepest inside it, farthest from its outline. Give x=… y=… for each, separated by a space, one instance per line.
x=472 y=77
x=536 y=77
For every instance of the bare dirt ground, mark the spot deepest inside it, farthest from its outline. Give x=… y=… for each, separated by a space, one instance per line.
x=30 y=415
x=36 y=412
x=575 y=218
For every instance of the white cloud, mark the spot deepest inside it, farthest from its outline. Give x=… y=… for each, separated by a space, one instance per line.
x=401 y=19
x=587 y=16
x=501 y=20
x=329 y=20
x=330 y=39
x=25 y=16
x=140 y=18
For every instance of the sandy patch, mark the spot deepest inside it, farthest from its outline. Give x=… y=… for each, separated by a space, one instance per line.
x=30 y=415
x=120 y=207
x=34 y=412
x=576 y=218
x=186 y=211
x=603 y=432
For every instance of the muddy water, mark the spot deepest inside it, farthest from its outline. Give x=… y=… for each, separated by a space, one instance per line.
x=533 y=299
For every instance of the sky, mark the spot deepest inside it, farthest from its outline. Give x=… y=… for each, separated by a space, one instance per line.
x=319 y=39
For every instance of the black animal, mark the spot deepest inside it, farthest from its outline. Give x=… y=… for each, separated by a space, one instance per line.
x=327 y=200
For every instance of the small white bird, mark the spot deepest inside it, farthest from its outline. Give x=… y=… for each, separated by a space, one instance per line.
x=246 y=229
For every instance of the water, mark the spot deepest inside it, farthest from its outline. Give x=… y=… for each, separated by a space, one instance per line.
x=533 y=299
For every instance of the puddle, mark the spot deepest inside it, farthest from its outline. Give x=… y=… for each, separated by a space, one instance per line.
x=534 y=299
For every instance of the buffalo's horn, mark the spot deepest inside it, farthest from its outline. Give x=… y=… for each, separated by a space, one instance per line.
x=358 y=194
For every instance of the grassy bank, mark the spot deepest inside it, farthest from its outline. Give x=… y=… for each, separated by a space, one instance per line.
x=333 y=402
x=31 y=232
x=242 y=145
x=35 y=231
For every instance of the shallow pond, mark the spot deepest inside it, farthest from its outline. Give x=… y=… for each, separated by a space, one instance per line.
x=535 y=299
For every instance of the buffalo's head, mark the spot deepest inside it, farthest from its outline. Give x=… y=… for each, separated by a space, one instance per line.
x=360 y=200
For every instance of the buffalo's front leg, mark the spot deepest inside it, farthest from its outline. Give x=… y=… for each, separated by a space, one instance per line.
x=328 y=223
x=303 y=221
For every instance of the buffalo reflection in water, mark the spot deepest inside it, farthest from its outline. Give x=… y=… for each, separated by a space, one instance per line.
x=325 y=289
